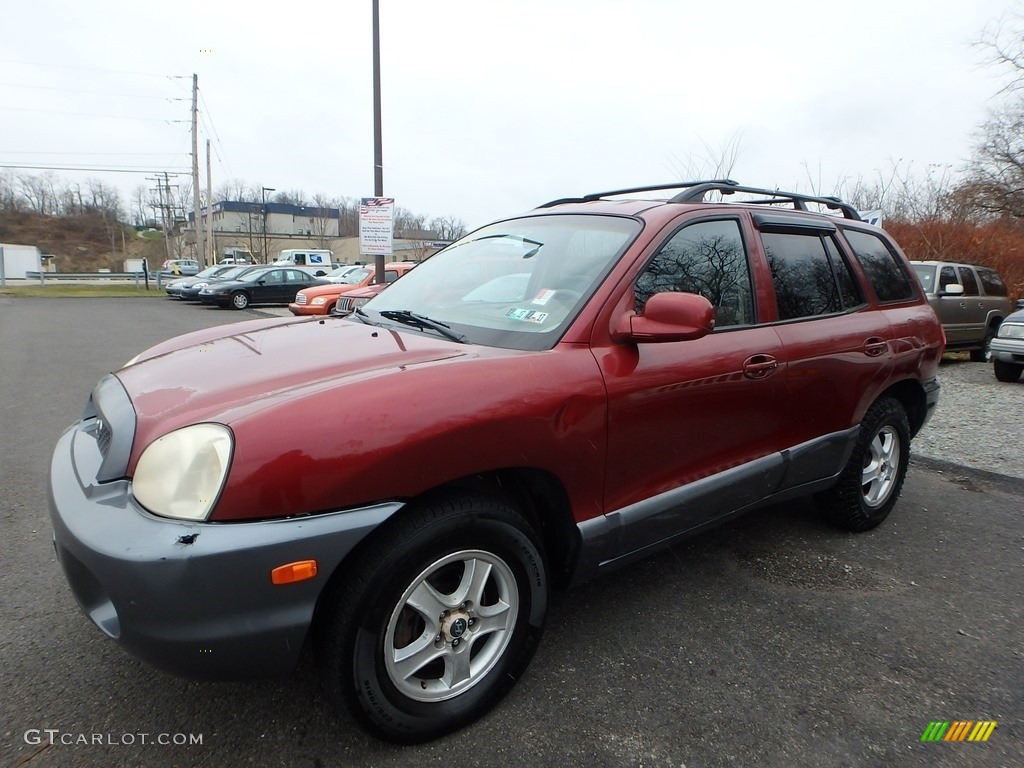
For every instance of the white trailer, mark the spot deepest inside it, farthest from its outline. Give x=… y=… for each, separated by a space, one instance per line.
x=19 y=260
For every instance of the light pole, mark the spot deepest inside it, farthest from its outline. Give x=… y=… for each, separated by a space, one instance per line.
x=263 y=192
x=378 y=152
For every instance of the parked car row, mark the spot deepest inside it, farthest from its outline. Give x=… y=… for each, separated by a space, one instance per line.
x=321 y=300
x=239 y=286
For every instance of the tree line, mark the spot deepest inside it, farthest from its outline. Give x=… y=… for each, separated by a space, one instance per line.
x=47 y=194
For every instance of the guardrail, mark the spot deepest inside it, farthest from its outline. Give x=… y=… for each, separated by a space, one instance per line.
x=137 y=276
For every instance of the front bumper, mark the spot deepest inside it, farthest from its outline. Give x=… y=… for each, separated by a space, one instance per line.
x=195 y=599
x=1007 y=350
x=305 y=310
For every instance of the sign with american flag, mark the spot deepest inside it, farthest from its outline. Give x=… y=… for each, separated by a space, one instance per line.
x=376 y=225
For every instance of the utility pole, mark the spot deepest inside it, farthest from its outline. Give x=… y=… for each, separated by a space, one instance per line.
x=263 y=192
x=164 y=218
x=209 y=208
x=378 y=151
x=197 y=213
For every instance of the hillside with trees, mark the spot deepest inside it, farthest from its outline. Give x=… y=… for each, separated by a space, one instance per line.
x=87 y=226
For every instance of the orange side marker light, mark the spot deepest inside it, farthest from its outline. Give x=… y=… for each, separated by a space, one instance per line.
x=292 y=572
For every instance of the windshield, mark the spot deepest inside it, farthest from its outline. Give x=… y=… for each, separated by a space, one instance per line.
x=253 y=276
x=515 y=284
x=231 y=274
x=353 y=277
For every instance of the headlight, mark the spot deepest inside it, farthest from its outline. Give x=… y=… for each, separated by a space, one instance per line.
x=358 y=302
x=199 y=285
x=1011 y=331
x=319 y=300
x=182 y=473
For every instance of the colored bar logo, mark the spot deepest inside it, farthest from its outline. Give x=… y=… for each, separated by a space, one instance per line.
x=958 y=730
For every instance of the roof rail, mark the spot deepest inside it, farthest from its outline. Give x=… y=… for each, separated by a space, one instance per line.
x=656 y=188
x=694 y=192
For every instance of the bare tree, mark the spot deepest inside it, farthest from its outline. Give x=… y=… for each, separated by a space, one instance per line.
x=710 y=163
x=447 y=227
x=324 y=226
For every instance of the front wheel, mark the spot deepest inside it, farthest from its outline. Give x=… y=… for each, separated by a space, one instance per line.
x=1008 y=372
x=870 y=483
x=239 y=300
x=435 y=620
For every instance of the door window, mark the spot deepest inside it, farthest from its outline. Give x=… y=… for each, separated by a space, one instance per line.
x=809 y=275
x=705 y=258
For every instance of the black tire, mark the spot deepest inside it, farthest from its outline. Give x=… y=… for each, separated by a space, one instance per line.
x=982 y=355
x=367 y=619
x=1008 y=372
x=239 y=300
x=871 y=482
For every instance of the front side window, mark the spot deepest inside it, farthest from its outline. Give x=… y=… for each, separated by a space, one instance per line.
x=881 y=265
x=706 y=258
x=947 y=277
x=809 y=275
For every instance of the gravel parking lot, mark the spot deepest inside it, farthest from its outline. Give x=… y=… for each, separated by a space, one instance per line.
x=977 y=422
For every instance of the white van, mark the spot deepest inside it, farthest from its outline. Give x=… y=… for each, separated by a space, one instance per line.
x=316 y=262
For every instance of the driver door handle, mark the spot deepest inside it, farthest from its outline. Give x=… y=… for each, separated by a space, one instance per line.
x=759 y=366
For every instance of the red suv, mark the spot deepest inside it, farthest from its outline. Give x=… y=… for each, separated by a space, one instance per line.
x=548 y=398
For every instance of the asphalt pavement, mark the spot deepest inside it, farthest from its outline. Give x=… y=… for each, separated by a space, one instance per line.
x=775 y=640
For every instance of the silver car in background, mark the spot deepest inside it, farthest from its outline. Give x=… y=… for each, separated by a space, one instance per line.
x=1008 y=348
x=971 y=303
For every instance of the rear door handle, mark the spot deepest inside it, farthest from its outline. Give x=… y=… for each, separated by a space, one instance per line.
x=875 y=346
x=759 y=366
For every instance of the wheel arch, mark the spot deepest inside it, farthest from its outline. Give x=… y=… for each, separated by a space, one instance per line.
x=911 y=395
x=536 y=494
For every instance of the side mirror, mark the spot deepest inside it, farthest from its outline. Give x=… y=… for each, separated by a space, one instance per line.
x=667 y=316
x=953 y=289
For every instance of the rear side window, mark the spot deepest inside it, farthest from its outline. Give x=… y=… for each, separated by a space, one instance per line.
x=881 y=265
x=809 y=275
x=706 y=258
x=993 y=284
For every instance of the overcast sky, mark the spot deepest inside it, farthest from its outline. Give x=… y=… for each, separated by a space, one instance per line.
x=491 y=108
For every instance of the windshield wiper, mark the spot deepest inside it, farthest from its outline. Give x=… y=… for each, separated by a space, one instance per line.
x=362 y=316
x=408 y=317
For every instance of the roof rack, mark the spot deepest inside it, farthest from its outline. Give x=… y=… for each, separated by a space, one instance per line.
x=694 y=192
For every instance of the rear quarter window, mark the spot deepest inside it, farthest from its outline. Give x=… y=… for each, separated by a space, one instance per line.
x=992 y=283
x=882 y=265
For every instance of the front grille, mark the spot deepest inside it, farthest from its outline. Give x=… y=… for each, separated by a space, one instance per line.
x=300 y=298
x=345 y=305
x=103 y=438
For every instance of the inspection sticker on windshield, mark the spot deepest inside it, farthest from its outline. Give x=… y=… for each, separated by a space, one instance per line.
x=543 y=297
x=527 y=315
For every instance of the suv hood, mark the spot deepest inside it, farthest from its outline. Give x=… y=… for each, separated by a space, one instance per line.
x=224 y=374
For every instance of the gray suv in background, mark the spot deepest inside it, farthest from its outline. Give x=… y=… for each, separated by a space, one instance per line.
x=971 y=303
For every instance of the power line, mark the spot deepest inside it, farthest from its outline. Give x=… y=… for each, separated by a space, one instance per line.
x=94 y=169
x=89 y=153
x=98 y=93
x=86 y=114
x=93 y=69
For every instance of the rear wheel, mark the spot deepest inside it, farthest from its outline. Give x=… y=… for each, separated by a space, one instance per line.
x=436 y=619
x=870 y=484
x=982 y=355
x=239 y=300
x=1009 y=372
